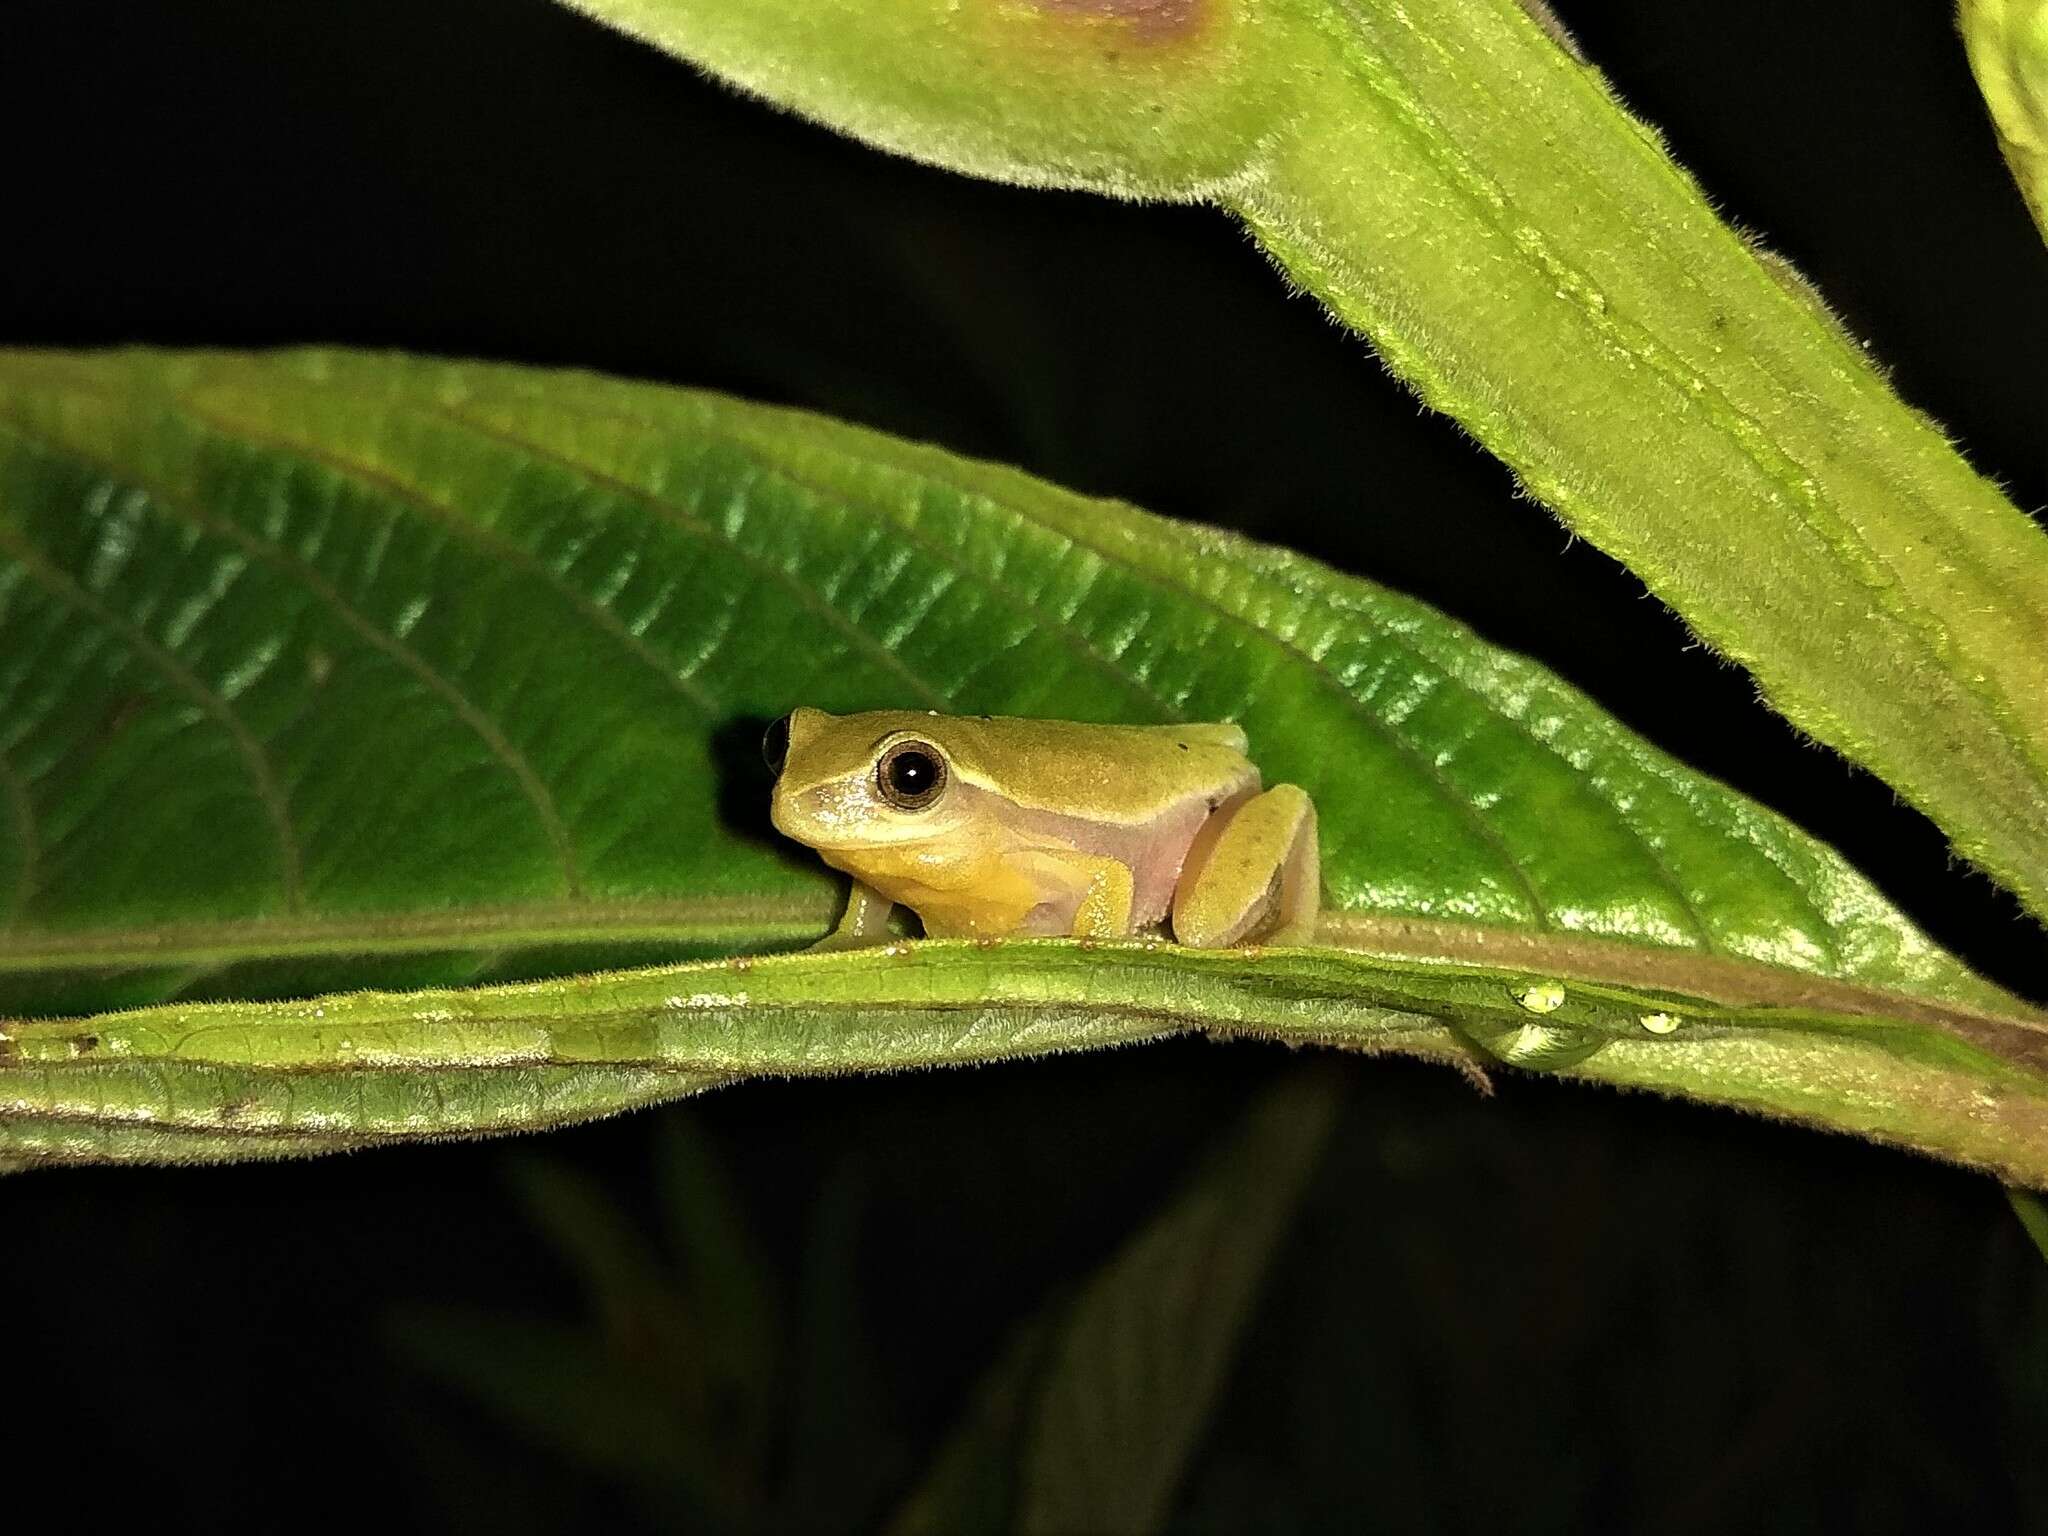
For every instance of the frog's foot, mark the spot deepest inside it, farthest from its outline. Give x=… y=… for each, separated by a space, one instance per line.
x=1256 y=876
x=864 y=923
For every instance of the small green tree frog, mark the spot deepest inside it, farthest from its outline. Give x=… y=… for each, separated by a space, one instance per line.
x=991 y=828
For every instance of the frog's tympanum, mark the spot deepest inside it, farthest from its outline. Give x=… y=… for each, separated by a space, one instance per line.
x=990 y=828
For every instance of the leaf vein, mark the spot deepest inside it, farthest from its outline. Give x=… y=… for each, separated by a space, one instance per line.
x=381 y=480
x=255 y=756
x=516 y=762
x=677 y=515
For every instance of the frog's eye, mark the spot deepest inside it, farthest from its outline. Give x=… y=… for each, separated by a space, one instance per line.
x=910 y=775
x=775 y=746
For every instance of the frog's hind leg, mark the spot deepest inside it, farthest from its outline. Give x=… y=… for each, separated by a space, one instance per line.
x=1254 y=873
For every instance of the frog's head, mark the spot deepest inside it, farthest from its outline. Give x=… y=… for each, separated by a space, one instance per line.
x=845 y=783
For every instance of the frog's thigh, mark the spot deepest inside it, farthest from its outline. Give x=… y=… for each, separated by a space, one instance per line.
x=1259 y=876
x=865 y=920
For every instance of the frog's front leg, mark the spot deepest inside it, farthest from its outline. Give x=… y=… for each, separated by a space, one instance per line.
x=865 y=920
x=1253 y=872
x=1104 y=910
x=1083 y=895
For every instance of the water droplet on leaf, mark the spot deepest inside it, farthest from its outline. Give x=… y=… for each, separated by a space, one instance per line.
x=1544 y=1047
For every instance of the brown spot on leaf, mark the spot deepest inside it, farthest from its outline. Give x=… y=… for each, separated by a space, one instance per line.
x=122 y=713
x=1148 y=21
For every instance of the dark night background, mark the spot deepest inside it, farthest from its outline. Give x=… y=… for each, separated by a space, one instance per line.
x=1554 y=1308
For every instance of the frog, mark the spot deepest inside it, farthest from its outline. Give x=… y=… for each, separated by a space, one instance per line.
x=995 y=827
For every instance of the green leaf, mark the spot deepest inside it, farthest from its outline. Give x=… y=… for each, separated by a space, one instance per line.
x=673 y=1386
x=839 y=1447
x=562 y=1389
x=1467 y=193
x=2033 y=1214
x=1088 y=1418
x=1146 y=1347
x=2007 y=41
x=719 y=1265
x=328 y=670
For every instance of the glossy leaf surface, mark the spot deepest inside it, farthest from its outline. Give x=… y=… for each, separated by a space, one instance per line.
x=1455 y=184
x=323 y=671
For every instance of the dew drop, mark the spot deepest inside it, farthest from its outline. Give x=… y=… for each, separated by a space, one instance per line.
x=1544 y=1047
x=1541 y=996
x=1660 y=1023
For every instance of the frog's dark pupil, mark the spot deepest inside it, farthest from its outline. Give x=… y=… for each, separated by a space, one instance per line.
x=775 y=745
x=911 y=776
x=912 y=773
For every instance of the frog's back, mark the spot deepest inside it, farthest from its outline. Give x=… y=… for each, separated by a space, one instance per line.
x=1222 y=734
x=1103 y=773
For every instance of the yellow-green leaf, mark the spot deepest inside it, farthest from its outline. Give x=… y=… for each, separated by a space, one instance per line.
x=1469 y=194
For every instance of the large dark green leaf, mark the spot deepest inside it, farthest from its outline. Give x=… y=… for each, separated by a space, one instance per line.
x=325 y=671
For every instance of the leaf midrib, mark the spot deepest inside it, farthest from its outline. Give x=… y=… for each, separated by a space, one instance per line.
x=1507 y=952
x=1751 y=439
x=235 y=940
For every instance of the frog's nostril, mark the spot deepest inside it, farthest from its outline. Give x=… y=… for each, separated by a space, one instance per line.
x=775 y=745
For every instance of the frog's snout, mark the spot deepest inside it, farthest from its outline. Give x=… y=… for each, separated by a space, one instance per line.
x=783 y=814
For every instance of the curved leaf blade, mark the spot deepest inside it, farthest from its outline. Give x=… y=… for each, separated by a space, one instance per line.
x=285 y=1079
x=1470 y=195
x=325 y=670
x=2007 y=43
x=1089 y=1415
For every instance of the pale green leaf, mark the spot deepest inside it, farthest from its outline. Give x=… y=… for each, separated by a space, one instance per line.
x=2007 y=41
x=1469 y=194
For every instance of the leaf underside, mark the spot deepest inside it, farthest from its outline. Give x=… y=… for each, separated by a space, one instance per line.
x=323 y=671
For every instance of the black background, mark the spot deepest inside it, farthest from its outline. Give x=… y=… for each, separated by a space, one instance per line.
x=1550 y=1308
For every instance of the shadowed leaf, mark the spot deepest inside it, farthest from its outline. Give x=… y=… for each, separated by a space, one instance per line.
x=1087 y=1420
